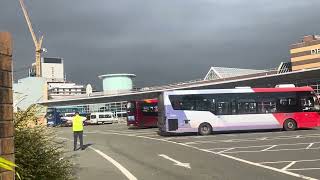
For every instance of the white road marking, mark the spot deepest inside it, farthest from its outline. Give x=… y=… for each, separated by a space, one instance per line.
x=310 y=145
x=225 y=150
x=187 y=143
x=272 y=150
x=263 y=166
x=269 y=146
x=115 y=163
x=303 y=169
x=255 y=139
x=146 y=133
x=177 y=163
x=289 y=165
x=226 y=156
x=266 y=149
x=304 y=160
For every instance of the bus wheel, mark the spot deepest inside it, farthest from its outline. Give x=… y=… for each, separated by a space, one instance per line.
x=205 y=129
x=290 y=125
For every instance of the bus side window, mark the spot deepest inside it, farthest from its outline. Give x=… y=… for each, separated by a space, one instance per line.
x=222 y=108
x=307 y=103
x=234 y=107
x=247 y=106
x=203 y=105
x=265 y=107
x=213 y=106
x=176 y=104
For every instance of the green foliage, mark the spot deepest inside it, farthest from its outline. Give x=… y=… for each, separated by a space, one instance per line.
x=38 y=153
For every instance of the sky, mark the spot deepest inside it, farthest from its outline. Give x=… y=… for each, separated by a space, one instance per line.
x=161 y=41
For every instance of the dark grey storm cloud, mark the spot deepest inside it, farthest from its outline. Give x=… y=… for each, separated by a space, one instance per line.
x=160 y=41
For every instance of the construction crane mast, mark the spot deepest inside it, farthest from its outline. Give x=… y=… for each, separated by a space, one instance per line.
x=37 y=41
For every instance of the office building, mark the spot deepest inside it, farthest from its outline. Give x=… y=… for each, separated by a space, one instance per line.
x=306 y=54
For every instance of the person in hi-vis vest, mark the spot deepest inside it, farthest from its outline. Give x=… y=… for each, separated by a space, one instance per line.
x=77 y=127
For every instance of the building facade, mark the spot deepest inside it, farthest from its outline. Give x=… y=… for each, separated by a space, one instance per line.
x=58 y=90
x=28 y=91
x=52 y=69
x=306 y=54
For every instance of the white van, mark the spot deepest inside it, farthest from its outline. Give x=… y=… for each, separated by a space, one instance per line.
x=68 y=118
x=101 y=118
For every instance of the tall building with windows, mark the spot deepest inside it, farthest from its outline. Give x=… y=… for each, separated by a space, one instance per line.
x=306 y=54
x=60 y=90
x=52 y=69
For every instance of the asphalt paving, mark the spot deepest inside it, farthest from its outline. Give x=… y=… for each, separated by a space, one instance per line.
x=117 y=152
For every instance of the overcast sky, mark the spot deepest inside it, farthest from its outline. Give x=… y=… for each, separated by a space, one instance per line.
x=160 y=41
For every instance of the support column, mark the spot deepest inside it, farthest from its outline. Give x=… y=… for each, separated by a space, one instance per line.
x=6 y=111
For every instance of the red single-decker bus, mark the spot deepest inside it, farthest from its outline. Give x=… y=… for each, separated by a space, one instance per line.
x=142 y=113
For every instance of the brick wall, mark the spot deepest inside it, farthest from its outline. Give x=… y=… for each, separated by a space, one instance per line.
x=6 y=114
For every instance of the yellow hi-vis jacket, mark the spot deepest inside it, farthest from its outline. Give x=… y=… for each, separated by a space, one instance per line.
x=77 y=124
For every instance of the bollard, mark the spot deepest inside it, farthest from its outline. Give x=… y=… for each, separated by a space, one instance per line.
x=6 y=111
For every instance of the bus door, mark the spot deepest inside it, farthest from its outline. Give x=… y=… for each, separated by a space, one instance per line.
x=132 y=112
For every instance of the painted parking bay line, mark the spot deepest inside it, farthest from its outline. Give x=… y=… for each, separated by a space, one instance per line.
x=115 y=163
x=111 y=160
x=221 y=154
x=255 y=139
x=177 y=163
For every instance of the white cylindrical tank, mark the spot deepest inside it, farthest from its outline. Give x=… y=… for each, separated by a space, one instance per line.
x=117 y=82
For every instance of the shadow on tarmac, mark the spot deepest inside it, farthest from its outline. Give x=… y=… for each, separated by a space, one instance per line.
x=85 y=146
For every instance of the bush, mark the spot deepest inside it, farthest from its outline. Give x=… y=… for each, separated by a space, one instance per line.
x=38 y=153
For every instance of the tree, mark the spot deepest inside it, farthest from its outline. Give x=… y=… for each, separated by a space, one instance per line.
x=38 y=153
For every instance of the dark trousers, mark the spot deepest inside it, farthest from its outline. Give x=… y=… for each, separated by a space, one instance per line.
x=77 y=134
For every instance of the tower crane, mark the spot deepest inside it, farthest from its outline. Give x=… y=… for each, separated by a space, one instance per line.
x=37 y=41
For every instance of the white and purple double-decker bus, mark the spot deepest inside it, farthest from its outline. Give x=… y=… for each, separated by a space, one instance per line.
x=208 y=110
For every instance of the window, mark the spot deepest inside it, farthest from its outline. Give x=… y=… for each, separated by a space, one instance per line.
x=267 y=106
x=107 y=116
x=308 y=103
x=101 y=116
x=203 y=104
x=287 y=104
x=192 y=102
x=149 y=109
x=247 y=106
x=130 y=105
x=223 y=108
x=234 y=109
x=93 y=116
x=288 y=101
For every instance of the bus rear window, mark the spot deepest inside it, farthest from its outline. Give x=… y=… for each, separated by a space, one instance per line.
x=130 y=105
x=149 y=109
